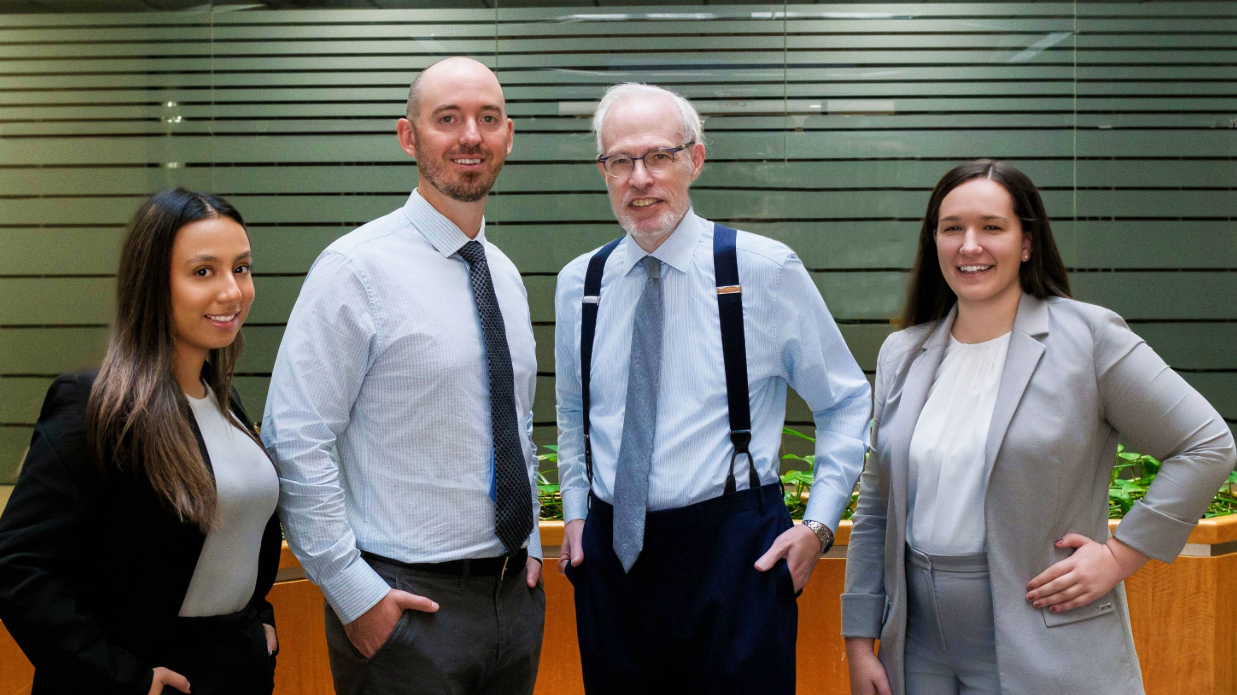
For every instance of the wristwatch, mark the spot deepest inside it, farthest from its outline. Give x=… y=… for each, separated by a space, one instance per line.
x=822 y=532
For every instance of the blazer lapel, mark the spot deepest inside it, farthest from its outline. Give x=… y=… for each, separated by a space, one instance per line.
x=1025 y=351
x=915 y=389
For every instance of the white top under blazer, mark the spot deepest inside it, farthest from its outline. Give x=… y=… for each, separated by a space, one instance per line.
x=248 y=488
x=948 y=476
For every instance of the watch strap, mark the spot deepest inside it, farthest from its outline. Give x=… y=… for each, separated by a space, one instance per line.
x=823 y=533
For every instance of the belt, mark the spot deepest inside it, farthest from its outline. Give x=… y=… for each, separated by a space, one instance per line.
x=503 y=566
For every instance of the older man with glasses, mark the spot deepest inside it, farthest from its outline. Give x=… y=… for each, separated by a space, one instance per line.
x=674 y=347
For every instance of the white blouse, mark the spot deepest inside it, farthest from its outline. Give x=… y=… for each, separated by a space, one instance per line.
x=948 y=474
x=248 y=488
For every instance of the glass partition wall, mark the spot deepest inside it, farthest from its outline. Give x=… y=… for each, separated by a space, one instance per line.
x=827 y=125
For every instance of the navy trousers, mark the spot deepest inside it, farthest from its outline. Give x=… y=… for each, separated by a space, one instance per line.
x=693 y=615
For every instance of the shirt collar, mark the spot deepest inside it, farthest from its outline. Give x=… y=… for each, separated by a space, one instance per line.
x=434 y=226
x=677 y=251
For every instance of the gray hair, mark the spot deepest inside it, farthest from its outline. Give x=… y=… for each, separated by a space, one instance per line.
x=691 y=129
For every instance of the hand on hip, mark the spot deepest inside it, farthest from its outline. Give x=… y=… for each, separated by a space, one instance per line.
x=1091 y=572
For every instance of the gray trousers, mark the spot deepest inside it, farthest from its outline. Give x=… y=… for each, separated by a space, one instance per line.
x=485 y=639
x=950 y=634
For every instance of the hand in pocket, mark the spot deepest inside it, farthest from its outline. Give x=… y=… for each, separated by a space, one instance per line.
x=370 y=631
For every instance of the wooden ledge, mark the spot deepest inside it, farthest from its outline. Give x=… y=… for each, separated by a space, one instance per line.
x=551 y=533
x=286 y=559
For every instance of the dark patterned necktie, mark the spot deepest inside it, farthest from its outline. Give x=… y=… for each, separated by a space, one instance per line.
x=513 y=505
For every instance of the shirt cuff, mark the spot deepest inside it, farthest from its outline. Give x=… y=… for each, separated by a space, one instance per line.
x=534 y=542
x=575 y=504
x=355 y=590
x=826 y=507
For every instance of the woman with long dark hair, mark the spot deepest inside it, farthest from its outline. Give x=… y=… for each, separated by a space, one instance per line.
x=140 y=541
x=980 y=554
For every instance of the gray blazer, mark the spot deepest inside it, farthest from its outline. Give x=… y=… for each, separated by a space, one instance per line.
x=1075 y=377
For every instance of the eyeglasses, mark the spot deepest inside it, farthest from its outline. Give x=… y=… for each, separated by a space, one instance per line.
x=656 y=161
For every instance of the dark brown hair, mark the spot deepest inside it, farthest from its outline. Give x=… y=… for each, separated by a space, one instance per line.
x=137 y=414
x=929 y=297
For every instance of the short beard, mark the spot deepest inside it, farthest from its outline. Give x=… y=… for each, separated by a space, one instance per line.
x=463 y=190
x=666 y=223
x=468 y=188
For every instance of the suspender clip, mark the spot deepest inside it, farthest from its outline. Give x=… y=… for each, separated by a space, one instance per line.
x=741 y=439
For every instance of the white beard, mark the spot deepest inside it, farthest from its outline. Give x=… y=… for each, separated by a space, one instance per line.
x=659 y=228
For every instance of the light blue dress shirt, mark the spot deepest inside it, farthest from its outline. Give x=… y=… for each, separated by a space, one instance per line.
x=378 y=415
x=791 y=340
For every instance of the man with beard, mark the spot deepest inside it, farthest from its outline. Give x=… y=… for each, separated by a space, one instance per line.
x=399 y=418
x=674 y=346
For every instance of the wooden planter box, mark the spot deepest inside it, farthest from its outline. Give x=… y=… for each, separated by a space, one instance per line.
x=1180 y=613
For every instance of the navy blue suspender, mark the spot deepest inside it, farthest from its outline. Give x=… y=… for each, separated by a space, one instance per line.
x=734 y=351
x=588 y=328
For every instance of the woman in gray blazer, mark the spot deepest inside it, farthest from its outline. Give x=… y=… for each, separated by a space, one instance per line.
x=980 y=555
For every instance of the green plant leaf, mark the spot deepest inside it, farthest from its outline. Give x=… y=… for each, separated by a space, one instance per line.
x=809 y=460
x=803 y=477
x=796 y=433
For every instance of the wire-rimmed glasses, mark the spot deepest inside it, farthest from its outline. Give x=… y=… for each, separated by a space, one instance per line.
x=620 y=166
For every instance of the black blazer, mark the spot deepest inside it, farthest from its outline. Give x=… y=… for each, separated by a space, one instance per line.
x=93 y=567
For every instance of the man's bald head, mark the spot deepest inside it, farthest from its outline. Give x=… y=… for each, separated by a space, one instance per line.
x=457 y=129
x=446 y=72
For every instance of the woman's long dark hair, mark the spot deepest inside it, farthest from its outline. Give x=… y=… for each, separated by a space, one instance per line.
x=137 y=411
x=929 y=297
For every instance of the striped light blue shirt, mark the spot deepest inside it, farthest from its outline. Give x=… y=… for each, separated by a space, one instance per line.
x=378 y=415
x=791 y=340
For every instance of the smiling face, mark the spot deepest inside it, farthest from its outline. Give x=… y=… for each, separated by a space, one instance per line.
x=649 y=205
x=212 y=288
x=461 y=135
x=980 y=242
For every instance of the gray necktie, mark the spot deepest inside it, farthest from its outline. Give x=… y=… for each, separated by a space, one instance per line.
x=631 y=479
